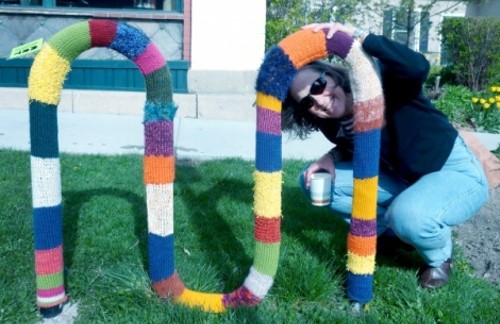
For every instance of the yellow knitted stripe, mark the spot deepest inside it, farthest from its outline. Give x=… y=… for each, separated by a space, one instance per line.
x=47 y=76
x=206 y=301
x=267 y=194
x=360 y=265
x=269 y=102
x=364 y=204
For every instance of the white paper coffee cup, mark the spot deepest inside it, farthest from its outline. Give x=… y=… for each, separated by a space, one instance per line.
x=320 y=189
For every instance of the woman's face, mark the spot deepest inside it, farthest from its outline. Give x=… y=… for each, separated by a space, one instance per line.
x=318 y=93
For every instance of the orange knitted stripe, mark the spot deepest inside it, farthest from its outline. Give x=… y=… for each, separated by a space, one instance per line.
x=305 y=46
x=363 y=246
x=159 y=169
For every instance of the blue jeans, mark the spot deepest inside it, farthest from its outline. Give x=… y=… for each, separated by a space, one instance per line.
x=422 y=214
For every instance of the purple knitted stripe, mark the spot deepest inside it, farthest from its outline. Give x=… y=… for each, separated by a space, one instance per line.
x=363 y=228
x=268 y=121
x=159 y=138
x=340 y=44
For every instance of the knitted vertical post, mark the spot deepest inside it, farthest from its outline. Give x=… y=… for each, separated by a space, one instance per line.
x=275 y=77
x=46 y=80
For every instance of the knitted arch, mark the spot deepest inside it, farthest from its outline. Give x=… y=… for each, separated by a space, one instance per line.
x=46 y=79
x=275 y=76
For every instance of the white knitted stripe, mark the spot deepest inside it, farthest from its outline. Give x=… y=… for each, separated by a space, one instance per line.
x=160 y=203
x=50 y=300
x=45 y=182
x=258 y=283
x=363 y=69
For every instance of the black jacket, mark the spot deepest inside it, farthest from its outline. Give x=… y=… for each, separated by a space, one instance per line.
x=417 y=138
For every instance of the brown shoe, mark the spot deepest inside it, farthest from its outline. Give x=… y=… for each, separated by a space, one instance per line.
x=432 y=278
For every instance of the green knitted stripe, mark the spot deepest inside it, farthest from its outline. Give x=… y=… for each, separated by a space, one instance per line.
x=50 y=281
x=266 y=258
x=159 y=86
x=71 y=41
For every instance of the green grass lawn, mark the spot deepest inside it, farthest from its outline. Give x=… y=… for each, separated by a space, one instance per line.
x=105 y=250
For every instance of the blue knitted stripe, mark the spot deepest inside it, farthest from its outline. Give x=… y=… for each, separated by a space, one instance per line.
x=129 y=41
x=366 y=147
x=161 y=256
x=359 y=287
x=159 y=112
x=268 y=152
x=43 y=130
x=276 y=74
x=47 y=223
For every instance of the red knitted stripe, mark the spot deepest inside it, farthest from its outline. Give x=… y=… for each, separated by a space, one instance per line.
x=369 y=114
x=240 y=297
x=102 y=32
x=48 y=261
x=170 y=287
x=267 y=230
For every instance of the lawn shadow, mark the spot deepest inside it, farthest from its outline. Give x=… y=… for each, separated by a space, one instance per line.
x=217 y=236
x=300 y=215
x=73 y=201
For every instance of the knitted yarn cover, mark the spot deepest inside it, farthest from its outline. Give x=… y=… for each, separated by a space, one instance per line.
x=274 y=79
x=46 y=80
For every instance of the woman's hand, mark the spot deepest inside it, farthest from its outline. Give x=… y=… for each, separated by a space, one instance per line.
x=332 y=28
x=324 y=163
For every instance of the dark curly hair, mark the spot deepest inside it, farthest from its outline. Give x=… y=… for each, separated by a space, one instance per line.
x=300 y=122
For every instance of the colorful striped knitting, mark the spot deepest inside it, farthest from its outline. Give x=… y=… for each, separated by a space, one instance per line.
x=46 y=80
x=275 y=77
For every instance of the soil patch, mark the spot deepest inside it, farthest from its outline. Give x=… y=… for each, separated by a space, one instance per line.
x=479 y=239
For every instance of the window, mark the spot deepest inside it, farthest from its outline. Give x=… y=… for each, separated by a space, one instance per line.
x=167 y=5
x=408 y=27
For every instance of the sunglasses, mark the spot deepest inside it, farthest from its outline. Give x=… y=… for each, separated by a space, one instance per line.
x=317 y=87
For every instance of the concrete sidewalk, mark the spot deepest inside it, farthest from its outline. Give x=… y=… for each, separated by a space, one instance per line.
x=199 y=139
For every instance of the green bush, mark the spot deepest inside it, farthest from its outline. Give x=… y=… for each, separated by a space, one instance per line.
x=471 y=49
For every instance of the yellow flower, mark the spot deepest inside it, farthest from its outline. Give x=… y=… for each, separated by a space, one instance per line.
x=498 y=105
x=474 y=99
x=497 y=98
x=482 y=101
x=491 y=100
x=486 y=105
x=495 y=89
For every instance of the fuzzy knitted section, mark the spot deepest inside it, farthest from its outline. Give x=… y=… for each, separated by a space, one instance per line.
x=280 y=66
x=45 y=84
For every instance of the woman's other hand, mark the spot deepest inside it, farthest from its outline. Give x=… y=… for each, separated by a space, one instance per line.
x=324 y=163
x=332 y=28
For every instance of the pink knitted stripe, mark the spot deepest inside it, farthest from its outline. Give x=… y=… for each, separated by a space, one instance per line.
x=240 y=297
x=49 y=261
x=46 y=293
x=150 y=60
x=268 y=121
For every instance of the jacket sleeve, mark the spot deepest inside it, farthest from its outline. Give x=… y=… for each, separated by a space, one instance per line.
x=403 y=70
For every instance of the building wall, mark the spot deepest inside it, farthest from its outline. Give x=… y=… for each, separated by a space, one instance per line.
x=489 y=9
x=373 y=21
x=228 y=44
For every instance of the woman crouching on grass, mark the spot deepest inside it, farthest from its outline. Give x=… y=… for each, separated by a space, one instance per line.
x=429 y=179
